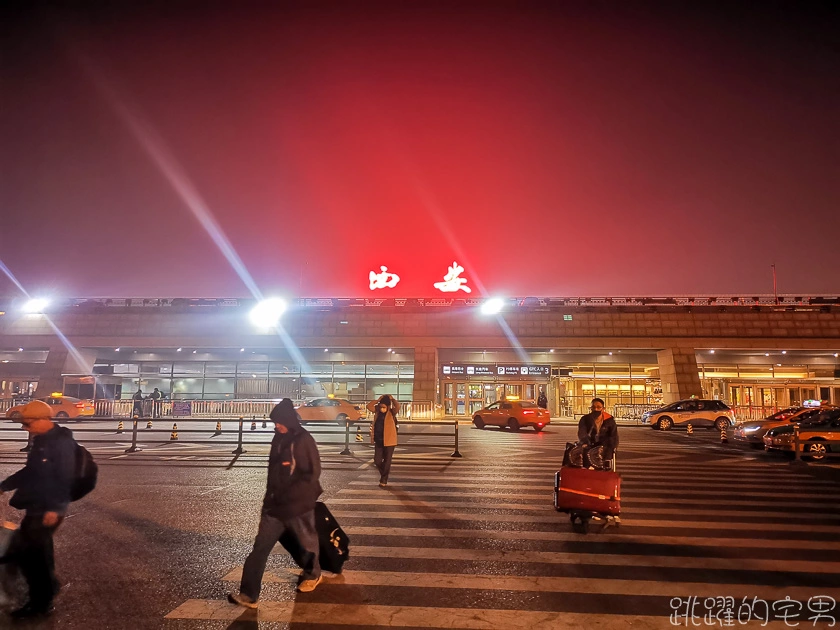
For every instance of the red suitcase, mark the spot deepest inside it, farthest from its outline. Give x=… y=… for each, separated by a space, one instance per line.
x=583 y=490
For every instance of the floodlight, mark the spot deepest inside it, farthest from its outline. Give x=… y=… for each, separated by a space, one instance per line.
x=492 y=306
x=36 y=305
x=267 y=313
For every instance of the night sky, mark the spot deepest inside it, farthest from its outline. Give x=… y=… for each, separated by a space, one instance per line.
x=554 y=149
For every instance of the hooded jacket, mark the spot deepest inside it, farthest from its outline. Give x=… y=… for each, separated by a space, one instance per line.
x=383 y=429
x=294 y=467
x=44 y=483
x=607 y=436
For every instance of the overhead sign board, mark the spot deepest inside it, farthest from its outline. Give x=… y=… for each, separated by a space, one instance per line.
x=491 y=369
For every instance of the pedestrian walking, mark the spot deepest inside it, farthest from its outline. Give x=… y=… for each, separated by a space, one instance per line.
x=542 y=399
x=43 y=488
x=138 y=403
x=292 y=489
x=156 y=397
x=383 y=433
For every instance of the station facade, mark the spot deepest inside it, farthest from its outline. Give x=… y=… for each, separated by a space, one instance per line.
x=754 y=353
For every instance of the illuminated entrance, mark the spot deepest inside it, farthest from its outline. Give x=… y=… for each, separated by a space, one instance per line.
x=463 y=398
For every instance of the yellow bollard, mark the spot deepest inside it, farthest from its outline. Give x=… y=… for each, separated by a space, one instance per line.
x=218 y=428
x=149 y=424
x=723 y=438
x=120 y=427
x=264 y=422
x=359 y=436
x=689 y=429
x=254 y=425
x=174 y=435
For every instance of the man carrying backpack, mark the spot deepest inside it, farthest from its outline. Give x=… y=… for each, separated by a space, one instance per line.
x=44 y=488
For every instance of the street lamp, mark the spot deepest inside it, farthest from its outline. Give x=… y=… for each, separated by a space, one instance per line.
x=36 y=305
x=492 y=306
x=267 y=313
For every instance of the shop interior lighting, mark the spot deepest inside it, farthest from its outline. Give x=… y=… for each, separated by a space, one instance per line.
x=267 y=313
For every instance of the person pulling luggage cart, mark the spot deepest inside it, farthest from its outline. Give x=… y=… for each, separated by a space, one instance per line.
x=587 y=486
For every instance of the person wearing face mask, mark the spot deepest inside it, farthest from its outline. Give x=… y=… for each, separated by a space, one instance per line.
x=598 y=432
x=384 y=434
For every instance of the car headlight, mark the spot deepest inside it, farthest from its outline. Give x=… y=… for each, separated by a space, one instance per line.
x=748 y=429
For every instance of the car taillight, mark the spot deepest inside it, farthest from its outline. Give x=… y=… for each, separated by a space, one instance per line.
x=539 y=424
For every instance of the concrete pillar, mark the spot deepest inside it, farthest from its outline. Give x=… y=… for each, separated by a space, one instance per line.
x=51 y=380
x=425 y=374
x=678 y=373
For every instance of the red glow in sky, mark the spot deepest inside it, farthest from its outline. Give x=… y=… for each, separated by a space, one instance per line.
x=550 y=149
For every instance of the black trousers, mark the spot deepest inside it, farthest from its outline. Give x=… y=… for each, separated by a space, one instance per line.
x=33 y=553
x=382 y=456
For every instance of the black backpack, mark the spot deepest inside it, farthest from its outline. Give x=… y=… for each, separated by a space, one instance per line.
x=84 y=476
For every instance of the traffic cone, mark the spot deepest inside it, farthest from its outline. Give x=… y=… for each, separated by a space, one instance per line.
x=174 y=435
x=723 y=439
x=120 y=427
x=689 y=429
x=359 y=437
x=264 y=424
x=149 y=424
x=218 y=428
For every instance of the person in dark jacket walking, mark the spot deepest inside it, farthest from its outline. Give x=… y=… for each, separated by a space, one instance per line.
x=138 y=403
x=42 y=488
x=542 y=400
x=156 y=397
x=292 y=489
x=598 y=429
x=383 y=432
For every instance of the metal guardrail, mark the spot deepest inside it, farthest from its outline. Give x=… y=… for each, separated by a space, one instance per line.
x=745 y=413
x=231 y=409
x=139 y=434
x=632 y=412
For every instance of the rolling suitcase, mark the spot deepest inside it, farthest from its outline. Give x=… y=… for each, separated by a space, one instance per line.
x=585 y=494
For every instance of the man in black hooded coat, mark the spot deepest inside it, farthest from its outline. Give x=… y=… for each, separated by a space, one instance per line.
x=292 y=489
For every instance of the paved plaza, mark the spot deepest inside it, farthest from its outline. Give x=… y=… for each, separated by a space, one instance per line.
x=455 y=543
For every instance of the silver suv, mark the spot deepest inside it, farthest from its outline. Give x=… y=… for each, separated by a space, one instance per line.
x=700 y=413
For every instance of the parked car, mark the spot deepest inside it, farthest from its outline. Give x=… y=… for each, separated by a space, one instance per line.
x=330 y=410
x=753 y=432
x=709 y=413
x=813 y=435
x=513 y=414
x=62 y=407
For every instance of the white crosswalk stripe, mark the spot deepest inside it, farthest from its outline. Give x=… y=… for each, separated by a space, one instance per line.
x=482 y=539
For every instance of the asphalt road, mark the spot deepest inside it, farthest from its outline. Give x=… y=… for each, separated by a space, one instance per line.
x=455 y=543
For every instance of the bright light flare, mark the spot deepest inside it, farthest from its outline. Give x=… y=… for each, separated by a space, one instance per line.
x=493 y=306
x=267 y=313
x=36 y=305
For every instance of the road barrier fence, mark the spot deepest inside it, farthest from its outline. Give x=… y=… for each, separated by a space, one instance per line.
x=223 y=434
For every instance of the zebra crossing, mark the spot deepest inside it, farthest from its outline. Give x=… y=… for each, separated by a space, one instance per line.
x=476 y=543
